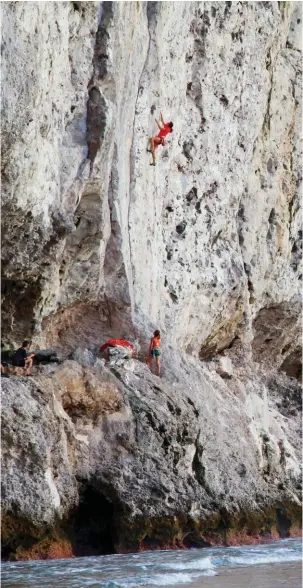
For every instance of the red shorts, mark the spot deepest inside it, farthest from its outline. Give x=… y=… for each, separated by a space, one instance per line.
x=161 y=139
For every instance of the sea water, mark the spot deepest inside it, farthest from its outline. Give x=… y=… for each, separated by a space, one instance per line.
x=273 y=565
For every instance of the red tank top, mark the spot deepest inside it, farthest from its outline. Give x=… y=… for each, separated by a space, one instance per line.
x=155 y=342
x=165 y=131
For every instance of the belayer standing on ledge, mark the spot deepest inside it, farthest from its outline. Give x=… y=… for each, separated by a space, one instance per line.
x=164 y=130
x=154 y=351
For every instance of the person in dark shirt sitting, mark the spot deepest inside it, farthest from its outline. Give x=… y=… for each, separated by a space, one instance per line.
x=21 y=358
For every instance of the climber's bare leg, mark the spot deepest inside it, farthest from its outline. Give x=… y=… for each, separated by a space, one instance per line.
x=158 y=365
x=28 y=366
x=149 y=359
x=150 y=150
x=155 y=142
x=153 y=149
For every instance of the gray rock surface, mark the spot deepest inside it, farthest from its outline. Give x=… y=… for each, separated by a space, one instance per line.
x=103 y=255
x=206 y=246
x=37 y=473
x=187 y=447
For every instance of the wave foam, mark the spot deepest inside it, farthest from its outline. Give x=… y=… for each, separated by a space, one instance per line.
x=156 y=580
x=169 y=579
x=204 y=563
x=257 y=559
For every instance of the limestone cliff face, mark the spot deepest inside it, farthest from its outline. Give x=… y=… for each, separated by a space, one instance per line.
x=94 y=239
x=205 y=246
x=99 y=459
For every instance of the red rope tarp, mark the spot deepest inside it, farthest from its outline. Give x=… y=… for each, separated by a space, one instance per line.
x=113 y=342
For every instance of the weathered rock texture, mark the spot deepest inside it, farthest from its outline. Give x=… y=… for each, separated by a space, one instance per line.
x=115 y=459
x=205 y=246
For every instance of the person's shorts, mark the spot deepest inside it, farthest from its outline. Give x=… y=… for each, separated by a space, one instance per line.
x=155 y=352
x=20 y=363
x=162 y=140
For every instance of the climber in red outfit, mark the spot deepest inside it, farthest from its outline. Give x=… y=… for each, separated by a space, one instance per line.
x=165 y=129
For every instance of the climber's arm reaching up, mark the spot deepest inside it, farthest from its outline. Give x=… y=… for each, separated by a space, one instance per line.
x=161 y=118
x=159 y=126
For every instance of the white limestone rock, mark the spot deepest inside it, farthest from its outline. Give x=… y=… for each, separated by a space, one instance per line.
x=206 y=246
x=225 y=367
x=197 y=246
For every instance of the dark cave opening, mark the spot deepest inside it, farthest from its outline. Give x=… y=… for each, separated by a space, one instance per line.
x=90 y=527
x=283 y=523
x=6 y=552
x=88 y=531
x=292 y=364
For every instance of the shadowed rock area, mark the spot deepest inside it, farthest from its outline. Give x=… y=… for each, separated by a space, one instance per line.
x=205 y=246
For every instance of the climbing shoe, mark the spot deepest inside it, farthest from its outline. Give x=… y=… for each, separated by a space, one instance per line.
x=152 y=164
